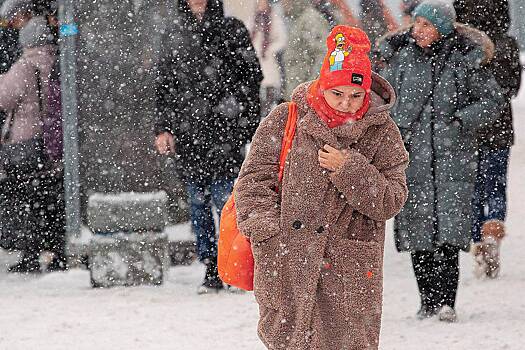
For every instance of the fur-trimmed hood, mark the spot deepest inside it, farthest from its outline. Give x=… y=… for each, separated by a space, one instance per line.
x=383 y=96
x=474 y=36
x=382 y=100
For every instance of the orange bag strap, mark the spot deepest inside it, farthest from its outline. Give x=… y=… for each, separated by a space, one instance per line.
x=289 y=134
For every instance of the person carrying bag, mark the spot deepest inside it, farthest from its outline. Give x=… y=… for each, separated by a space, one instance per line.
x=318 y=242
x=23 y=157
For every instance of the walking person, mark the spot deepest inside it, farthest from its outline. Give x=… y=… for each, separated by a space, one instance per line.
x=208 y=109
x=495 y=140
x=14 y=14
x=24 y=161
x=376 y=19
x=445 y=95
x=307 y=30
x=407 y=7
x=269 y=37
x=318 y=241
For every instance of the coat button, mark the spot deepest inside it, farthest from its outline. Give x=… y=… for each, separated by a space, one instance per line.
x=326 y=264
x=320 y=230
x=297 y=224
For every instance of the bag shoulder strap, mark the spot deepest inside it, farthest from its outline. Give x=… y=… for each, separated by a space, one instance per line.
x=289 y=134
x=39 y=91
x=7 y=134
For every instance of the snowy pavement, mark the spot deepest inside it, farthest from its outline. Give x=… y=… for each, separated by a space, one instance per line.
x=60 y=311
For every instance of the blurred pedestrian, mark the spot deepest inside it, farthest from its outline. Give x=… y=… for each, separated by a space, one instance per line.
x=495 y=140
x=307 y=31
x=407 y=7
x=345 y=11
x=376 y=19
x=49 y=10
x=25 y=164
x=17 y=12
x=445 y=95
x=13 y=15
x=318 y=241
x=208 y=109
x=269 y=37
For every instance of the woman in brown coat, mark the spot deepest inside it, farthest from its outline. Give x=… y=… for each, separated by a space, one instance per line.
x=318 y=244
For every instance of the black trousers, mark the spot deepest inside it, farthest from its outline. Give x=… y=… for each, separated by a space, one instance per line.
x=437 y=275
x=32 y=214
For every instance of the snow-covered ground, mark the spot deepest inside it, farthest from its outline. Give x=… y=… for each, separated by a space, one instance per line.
x=60 y=311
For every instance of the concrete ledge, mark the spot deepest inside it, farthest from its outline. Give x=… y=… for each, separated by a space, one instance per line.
x=128 y=259
x=127 y=212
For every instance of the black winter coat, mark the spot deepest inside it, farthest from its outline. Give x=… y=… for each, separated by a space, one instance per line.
x=10 y=50
x=492 y=17
x=208 y=91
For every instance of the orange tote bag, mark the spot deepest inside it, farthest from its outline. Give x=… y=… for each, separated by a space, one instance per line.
x=235 y=257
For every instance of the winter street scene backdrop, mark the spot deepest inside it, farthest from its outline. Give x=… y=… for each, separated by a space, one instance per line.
x=110 y=240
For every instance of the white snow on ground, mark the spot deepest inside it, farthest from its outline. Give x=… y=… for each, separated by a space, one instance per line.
x=60 y=311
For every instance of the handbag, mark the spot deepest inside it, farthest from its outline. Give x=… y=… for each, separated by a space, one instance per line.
x=235 y=256
x=26 y=157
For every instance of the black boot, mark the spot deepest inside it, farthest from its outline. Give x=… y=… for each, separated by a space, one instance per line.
x=426 y=312
x=28 y=264
x=59 y=263
x=212 y=281
x=423 y=263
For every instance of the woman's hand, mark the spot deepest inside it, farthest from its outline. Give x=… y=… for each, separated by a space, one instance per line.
x=331 y=158
x=164 y=143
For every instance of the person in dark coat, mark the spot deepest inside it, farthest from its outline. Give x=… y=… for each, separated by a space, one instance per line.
x=9 y=48
x=24 y=189
x=376 y=19
x=208 y=109
x=445 y=95
x=495 y=140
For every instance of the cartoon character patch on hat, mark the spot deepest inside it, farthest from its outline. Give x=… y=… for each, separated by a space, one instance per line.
x=337 y=56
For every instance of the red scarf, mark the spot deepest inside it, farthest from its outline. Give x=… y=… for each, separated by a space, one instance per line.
x=329 y=115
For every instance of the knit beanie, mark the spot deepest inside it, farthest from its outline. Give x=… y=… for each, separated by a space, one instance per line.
x=442 y=15
x=35 y=33
x=347 y=61
x=11 y=8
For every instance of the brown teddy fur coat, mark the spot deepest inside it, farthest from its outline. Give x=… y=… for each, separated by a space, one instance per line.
x=318 y=245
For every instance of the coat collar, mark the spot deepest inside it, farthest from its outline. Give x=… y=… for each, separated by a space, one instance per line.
x=383 y=98
x=403 y=37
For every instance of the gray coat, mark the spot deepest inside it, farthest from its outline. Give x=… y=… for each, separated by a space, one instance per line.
x=445 y=94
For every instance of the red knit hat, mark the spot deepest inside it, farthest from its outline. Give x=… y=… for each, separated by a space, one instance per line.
x=347 y=61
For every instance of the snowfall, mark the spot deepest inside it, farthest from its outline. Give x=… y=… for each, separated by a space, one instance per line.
x=61 y=311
